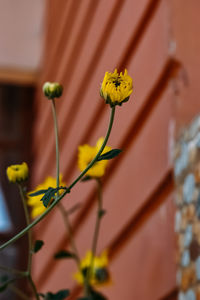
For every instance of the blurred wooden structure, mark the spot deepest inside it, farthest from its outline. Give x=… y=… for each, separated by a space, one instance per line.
x=16 y=118
x=156 y=40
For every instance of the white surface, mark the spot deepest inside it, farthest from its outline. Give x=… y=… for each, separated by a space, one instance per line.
x=21 y=33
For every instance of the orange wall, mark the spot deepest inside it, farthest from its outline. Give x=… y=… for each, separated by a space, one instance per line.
x=85 y=39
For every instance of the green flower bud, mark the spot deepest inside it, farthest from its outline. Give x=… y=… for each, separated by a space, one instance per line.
x=52 y=90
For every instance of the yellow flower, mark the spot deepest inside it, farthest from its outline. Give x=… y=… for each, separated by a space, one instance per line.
x=86 y=153
x=35 y=202
x=52 y=90
x=99 y=274
x=116 y=88
x=17 y=173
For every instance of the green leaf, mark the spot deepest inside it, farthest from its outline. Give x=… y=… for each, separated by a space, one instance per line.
x=64 y=254
x=110 y=154
x=102 y=212
x=61 y=295
x=38 y=245
x=49 y=194
x=40 y=192
x=86 y=178
x=4 y=282
x=97 y=295
x=94 y=295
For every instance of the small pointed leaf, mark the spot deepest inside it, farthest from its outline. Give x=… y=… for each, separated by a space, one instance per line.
x=61 y=295
x=50 y=193
x=86 y=178
x=38 y=245
x=97 y=295
x=40 y=192
x=110 y=154
x=102 y=212
x=94 y=295
x=64 y=254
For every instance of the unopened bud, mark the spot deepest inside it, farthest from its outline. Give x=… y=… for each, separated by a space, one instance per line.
x=52 y=90
x=17 y=173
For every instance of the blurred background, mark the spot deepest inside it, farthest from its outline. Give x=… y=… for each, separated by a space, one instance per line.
x=75 y=42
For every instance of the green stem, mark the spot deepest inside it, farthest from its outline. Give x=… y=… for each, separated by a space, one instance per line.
x=60 y=206
x=13 y=271
x=33 y=287
x=100 y=150
x=98 y=219
x=70 y=233
x=19 y=293
x=30 y=253
x=26 y=212
x=12 y=280
x=57 y=143
x=96 y=233
x=54 y=203
x=86 y=289
x=36 y=221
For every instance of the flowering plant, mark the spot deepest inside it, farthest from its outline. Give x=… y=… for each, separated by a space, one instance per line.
x=92 y=270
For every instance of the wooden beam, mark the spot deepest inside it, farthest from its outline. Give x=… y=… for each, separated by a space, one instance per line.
x=18 y=76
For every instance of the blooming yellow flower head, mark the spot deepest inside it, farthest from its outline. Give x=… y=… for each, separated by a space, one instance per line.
x=99 y=274
x=35 y=201
x=116 y=88
x=52 y=90
x=17 y=173
x=86 y=153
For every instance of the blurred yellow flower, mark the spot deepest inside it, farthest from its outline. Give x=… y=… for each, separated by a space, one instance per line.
x=99 y=274
x=86 y=153
x=17 y=173
x=116 y=88
x=35 y=202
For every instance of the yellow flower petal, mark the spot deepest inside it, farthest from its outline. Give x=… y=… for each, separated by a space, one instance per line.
x=99 y=275
x=86 y=153
x=17 y=173
x=116 y=88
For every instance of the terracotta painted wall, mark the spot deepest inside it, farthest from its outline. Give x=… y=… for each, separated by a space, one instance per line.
x=84 y=39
